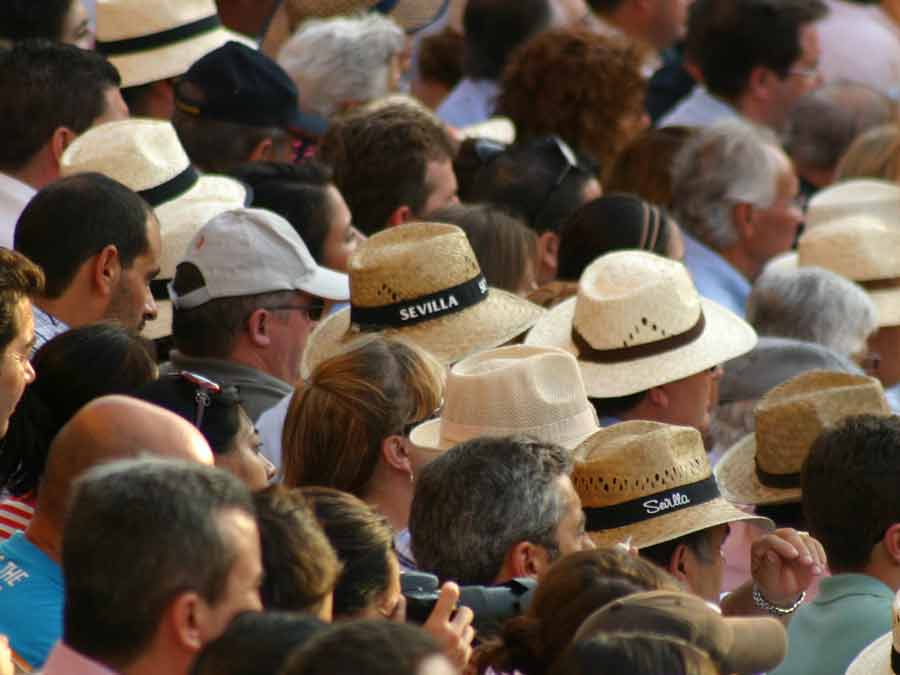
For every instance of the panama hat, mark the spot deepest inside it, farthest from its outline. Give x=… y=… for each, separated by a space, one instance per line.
x=411 y=15
x=638 y=322
x=735 y=644
x=651 y=482
x=859 y=196
x=535 y=391
x=421 y=281
x=764 y=468
x=146 y=156
x=882 y=657
x=151 y=40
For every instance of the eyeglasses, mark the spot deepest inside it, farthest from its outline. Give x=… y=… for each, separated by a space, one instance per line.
x=487 y=150
x=204 y=388
x=571 y=164
x=314 y=310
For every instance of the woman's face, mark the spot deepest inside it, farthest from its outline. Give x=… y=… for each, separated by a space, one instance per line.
x=76 y=28
x=389 y=603
x=342 y=238
x=244 y=459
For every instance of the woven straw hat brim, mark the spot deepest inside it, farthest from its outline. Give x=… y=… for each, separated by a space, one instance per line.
x=139 y=68
x=724 y=337
x=677 y=524
x=491 y=323
x=736 y=475
x=874 y=659
x=428 y=435
x=411 y=15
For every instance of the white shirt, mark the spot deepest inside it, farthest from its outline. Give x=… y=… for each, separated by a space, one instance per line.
x=698 y=109
x=270 y=426
x=14 y=196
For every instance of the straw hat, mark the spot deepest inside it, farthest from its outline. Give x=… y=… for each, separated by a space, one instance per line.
x=535 y=391
x=638 y=322
x=861 y=248
x=764 y=468
x=421 y=281
x=411 y=15
x=882 y=657
x=151 y=40
x=651 y=482
x=877 y=198
x=146 y=156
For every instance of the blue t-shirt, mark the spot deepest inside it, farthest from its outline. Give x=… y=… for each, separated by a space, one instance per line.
x=31 y=599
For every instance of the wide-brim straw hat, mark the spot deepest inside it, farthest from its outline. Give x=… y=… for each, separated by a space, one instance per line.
x=879 y=199
x=647 y=483
x=410 y=15
x=640 y=323
x=532 y=391
x=764 y=467
x=861 y=248
x=151 y=41
x=421 y=281
x=876 y=658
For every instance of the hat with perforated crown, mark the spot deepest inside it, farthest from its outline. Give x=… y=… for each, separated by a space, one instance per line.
x=638 y=322
x=651 y=482
x=421 y=281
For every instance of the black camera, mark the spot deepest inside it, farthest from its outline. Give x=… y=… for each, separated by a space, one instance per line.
x=491 y=605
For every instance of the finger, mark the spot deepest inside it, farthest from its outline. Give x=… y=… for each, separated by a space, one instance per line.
x=774 y=545
x=462 y=619
x=446 y=603
x=468 y=635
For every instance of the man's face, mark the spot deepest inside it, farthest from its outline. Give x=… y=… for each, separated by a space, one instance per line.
x=15 y=368
x=132 y=301
x=803 y=77
x=705 y=572
x=442 y=188
x=669 y=22
x=774 y=228
x=289 y=329
x=692 y=399
x=571 y=534
x=886 y=343
x=241 y=591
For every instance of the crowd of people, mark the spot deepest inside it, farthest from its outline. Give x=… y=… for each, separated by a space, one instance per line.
x=449 y=337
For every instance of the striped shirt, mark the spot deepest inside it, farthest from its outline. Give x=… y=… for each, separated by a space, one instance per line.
x=15 y=514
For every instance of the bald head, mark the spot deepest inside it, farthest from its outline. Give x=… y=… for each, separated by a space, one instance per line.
x=111 y=428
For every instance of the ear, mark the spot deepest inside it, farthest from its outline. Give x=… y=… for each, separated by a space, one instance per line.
x=59 y=141
x=659 y=397
x=548 y=253
x=402 y=214
x=760 y=81
x=742 y=216
x=393 y=451
x=527 y=560
x=106 y=270
x=185 y=620
x=258 y=324
x=682 y=564
x=891 y=543
x=262 y=151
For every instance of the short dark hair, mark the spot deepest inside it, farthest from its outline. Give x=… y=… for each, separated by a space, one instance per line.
x=71 y=369
x=482 y=497
x=25 y=19
x=217 y=146
x=301 y=568
x=373 y=646
x=699 y=542
x=849 y=482
x=723 y=39
x=256 y=643
x=617 y=406
x=45 y=86
x=534 y=182
x=635 y=653
x=494 y=28
x=363 y=542
x=73 y=219
x=605 y=6
x=139 y=533
x=380 y=160
x=19 y=278
x=296 y=192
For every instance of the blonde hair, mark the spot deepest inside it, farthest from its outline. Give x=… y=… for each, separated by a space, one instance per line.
x=874 y=154
x=337 y=420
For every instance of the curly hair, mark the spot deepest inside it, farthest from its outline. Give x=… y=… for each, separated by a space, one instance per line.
x=578 y=85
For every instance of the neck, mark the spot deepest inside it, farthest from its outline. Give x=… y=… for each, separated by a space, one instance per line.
x=737 y=257
x=390 y=493
x=153 y=663
x=627 y=19
x=45 y=536
x=819 y=178
x=256 y=359
x=883 y=568
x=755 y=111
x=72 y=308
x=892 y=9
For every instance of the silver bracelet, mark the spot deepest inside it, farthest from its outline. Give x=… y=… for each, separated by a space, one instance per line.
x=760 y=601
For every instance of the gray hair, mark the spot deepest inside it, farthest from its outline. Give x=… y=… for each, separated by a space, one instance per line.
x=481 y=498
x=812 y=304
x=732 y=162
x=346 y=58
x=825 y=121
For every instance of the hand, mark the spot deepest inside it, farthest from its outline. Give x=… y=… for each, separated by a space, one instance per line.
x=6 y=662
x=454 y=632
x=784 y=563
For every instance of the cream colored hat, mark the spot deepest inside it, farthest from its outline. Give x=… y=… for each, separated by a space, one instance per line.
x=860 y=248
x=421 y=281
x=638 y=322
x=764 y=468
x=151 y=40
x=535 y=391
x=879 y=199
x=411 y=15
x=882 y=657
x=651 y=482
x=146 y=156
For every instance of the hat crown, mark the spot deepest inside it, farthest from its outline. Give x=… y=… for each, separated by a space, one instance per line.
x=139 y=153
x=859 y=247
x=873 y=197
x=791 y=416
x=631 y=298
x=638 y=458
x=123 y=19
x=409 y=262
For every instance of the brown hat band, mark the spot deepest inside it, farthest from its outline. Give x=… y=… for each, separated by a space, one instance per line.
x=588 y=353
x=424 y=308
x=880 y=284
x=776 y=480
x=651 y=506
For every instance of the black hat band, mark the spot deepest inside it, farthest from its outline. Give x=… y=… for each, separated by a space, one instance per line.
x=162 y=39
x=588 y=353
x=172 y=188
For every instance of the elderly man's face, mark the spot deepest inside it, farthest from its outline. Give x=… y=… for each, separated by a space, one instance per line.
x=571 y=533
x=774 y=228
